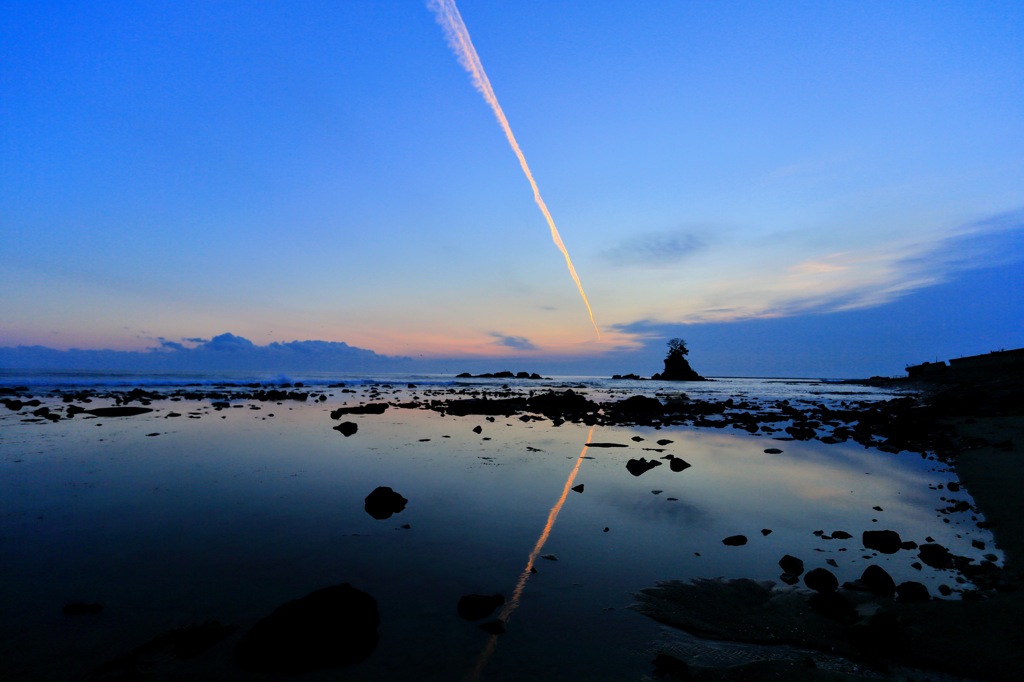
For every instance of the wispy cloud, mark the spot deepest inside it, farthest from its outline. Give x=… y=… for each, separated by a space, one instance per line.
x=781 y=283
x=656 y=248
x=516 y=342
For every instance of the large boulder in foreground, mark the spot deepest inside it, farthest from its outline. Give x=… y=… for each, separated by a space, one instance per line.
x=329 y=628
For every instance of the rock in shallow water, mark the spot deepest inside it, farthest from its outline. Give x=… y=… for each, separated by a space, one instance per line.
x=383 y=502
x=640 y=466
x=884 y=541
x=328 y=628
x=347 y=428
x=790 y=564
x=821 y=580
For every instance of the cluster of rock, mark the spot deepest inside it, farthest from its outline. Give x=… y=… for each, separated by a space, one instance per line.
x=500 y=375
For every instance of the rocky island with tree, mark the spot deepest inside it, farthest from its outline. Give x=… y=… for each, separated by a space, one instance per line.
x=677 y=368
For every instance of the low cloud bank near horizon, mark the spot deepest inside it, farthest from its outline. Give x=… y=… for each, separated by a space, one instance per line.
x=225 y=352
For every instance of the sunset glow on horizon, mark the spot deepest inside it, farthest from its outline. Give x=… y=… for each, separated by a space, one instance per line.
x=832 y=193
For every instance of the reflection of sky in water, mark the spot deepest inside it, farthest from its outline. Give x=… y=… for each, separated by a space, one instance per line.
x=227 y=518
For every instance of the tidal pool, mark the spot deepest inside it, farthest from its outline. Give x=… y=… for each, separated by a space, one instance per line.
x=226 y=514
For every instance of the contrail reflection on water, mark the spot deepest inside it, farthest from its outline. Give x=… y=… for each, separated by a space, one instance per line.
x=458 y=38
x=517 y=593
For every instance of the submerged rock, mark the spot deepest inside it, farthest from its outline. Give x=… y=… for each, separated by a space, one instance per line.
x=328 y=628
x=735 y=540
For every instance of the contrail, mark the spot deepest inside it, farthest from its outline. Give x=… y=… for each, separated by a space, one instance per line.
x=458 y=38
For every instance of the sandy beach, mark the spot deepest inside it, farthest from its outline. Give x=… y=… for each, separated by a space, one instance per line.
x=629 y=532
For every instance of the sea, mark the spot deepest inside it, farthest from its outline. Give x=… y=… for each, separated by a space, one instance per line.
x=212 y=510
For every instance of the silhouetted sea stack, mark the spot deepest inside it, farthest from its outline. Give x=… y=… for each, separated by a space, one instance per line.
x=677 y=368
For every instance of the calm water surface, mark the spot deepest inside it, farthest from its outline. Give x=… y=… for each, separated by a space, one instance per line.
x=230 y=514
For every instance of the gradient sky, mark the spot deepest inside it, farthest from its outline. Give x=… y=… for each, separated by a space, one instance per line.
x=847 y=176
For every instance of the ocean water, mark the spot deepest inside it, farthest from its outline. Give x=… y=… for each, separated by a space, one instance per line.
x=227 y=513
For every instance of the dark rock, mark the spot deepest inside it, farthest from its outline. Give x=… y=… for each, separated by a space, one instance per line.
x=636 y=406
x=478 y=429
x=578 y=488
x=122 y=411
x=347 y=428
x=567 y=404
x=607 y=445
x=912 y=592
x=181 y=643
x=678 y=464
x=935 y=555
x=833 y=605
x=884 y=541
x=193 y=640
x=328 y=628
x=665 y=441
x=369 y=408
x=766 y=532
x=792 y=565
x=677 y=368
x=383 y=502
x=80 y=608
x=669 y=667
x=640 y=466
x=735 y=540
x=878 y=581
x=840 y=535
x=821 y=580
x=881 y=635
x=772 y=451
x=477 y=606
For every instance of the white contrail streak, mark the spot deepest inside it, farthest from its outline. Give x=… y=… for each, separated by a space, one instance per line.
x=458 y=38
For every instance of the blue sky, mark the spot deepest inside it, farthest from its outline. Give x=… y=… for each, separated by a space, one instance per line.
x=834 y=176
